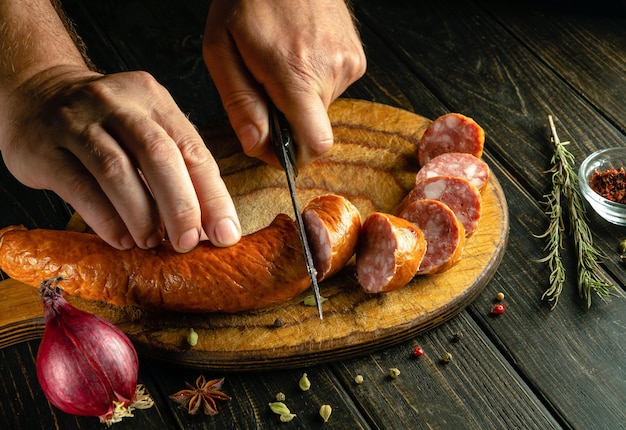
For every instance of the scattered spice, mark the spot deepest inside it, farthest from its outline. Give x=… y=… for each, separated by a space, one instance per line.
x=610 y=184
x=565 y=185
x=325 y=411
x=310 y=300
x=192 y=337
x=418 y=351
x=500 y=296
x=280 y=397
x=498 y=309
x=285 y=418
x=281 y=409
x=456 y=337
x=446 y=357
x=202 y=396
x=304 y=382
x=394 y=372
x=358 y=379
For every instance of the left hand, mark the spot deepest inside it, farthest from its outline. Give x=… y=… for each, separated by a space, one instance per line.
x=301 y=53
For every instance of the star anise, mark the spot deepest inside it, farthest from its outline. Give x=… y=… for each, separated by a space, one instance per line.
x=202 y=396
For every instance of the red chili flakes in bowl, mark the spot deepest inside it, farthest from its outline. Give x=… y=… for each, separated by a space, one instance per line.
x=610 y=184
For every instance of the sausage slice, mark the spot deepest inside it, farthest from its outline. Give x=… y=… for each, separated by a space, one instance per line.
x=332 y=225
x=443 y=232
x=389 y=253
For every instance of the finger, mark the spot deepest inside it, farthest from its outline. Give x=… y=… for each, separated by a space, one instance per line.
x=220 y=223
x=164 y=170
x=118 y=178
x=242 y=97
x=311 y=128
x=219 y=217
x=75 y=185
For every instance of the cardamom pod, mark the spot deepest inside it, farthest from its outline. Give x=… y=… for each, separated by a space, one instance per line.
x=304 y=382
x=192 y=337
x=325 y=411
x=279 y=408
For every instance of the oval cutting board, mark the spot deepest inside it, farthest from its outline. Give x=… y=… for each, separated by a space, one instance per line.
x=373 y=163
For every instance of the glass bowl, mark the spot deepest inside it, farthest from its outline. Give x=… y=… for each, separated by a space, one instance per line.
x=602 y=160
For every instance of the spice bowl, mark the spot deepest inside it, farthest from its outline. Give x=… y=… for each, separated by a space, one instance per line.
x=603 y=160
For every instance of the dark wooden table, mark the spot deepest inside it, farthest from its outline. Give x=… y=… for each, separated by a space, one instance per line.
x=506 y=65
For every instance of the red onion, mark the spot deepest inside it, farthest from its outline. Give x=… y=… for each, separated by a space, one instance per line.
x=85 y=365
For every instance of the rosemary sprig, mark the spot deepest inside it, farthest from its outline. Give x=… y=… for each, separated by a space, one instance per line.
x=565 y=184
x=554 y=236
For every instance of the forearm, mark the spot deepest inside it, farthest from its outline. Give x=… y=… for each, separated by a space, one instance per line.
x=33 y=41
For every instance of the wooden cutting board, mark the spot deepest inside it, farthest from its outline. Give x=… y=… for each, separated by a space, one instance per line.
x=373 y=163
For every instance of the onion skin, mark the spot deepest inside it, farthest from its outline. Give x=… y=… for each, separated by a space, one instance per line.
x=84 y=363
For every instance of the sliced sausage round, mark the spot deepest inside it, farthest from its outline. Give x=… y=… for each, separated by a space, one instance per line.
x=459 y=194
x=457 y=164
x=452 y=132
x=332 y=226
x=444 y=234
x=389 y=253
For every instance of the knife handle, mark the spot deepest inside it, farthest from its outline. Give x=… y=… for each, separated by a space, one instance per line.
x=281 y=139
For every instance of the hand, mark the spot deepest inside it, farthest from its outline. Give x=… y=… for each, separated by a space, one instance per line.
x=302 y=54
x=119 y=150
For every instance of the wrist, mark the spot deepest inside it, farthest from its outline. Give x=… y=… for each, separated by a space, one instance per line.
x=33 y=39
x=33 y=97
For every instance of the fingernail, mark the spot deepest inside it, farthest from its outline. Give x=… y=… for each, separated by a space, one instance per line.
x=188 y=240
x=154 y=240
x=248 y=137
x=227 y=232
x=127 y=242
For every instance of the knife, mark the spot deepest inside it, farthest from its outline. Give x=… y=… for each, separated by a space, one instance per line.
x=284 y=147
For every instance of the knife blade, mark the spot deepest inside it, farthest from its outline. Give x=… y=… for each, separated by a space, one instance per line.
x=284 y=147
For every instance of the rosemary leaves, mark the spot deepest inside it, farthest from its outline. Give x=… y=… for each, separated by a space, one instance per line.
x=565 y=186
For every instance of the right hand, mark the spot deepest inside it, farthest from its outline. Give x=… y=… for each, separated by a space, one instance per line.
x=301 y=54
x=119 y=150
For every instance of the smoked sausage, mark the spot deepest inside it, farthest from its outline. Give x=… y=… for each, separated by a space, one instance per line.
x=332 y=225
x=452 y=132
x=457 y=164
x=459 y=194
x=444 y=234
x=389 y=253
x=263 y=268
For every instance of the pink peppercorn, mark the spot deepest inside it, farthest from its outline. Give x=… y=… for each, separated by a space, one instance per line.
x=418 y=351
x=498 y=309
